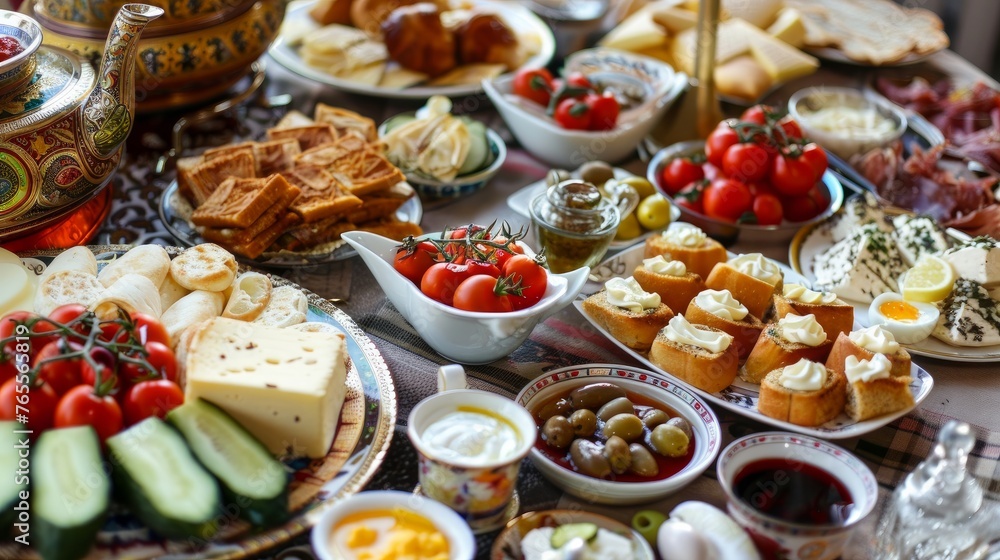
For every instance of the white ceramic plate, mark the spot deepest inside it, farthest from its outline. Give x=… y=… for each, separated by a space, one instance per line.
x=741 y=397
x=520 y=19
x=520 y=201
x=837 y=55
x=813 y=240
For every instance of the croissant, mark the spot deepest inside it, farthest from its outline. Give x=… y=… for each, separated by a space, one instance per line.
x=417 y=40
x=486 y=38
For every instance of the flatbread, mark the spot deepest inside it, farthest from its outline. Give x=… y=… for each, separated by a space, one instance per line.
x=67 y=286
x=80 y=259
x=131 y=293
x=151 y=261
x=198 y=306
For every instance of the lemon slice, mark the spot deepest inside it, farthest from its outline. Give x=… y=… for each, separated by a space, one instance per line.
x=931 y=279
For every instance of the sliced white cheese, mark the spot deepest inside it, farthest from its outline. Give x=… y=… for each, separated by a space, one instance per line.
x=917 y=236
x=637 y=32
x=8 y=257
x=857 y=212
x=788 y=27
x=780 y=60
x=285 y=386
x=732 y=41
x=860 y=267
x=969 y=317
x=977 y=259
x=675 y=20
x=17 y=290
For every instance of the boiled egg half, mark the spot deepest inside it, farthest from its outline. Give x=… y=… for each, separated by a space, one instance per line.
x=908 y=321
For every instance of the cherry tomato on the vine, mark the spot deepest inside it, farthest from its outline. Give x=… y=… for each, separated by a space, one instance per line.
x=792 y=175
x=746 y=162
x=679 y=173
x=151 y=398
x=801 y=208
x=62 y=374
x=573 y=114
x=442 y=279
x=726 y=199
x=690 y=197
x=149 y=329
x=530 y=275
x=413 y=262
x=579 y=79
x=82 y=407
x=767 y=209
x=534 y=84
x=817 y=159
x=106 y=364
x=37 y=405
x=64 y=314
x=757 y=114
x=604 y=110
x=482 y=293
x=718 y=142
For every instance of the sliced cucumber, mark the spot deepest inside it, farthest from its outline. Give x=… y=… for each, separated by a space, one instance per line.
x=71 y=492
x=479 y=148
x=397 y=121
x=162 y=482
x=565 y=533
x=250 y=475
x=11 y=483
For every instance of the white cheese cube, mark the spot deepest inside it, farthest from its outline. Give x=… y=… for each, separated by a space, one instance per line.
x=286 y=387
x=969 y=316
x=860 y=267
x=917 y=236
x=977 y=259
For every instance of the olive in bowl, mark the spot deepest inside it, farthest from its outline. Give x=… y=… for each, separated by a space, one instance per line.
x=619 y=435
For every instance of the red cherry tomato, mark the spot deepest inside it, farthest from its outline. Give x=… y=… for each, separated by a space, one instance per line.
x=579 y=79
x=149 y=329
x=534 y=84
x=156 y=397
x=757 y=114
x=604 y=110
x=679 y=173
x=61 y=374
x=37 y=404
x=573 y=114
x=65 y=314
x=500 y=256
x=791 y=128
x=690 y=197
x=532 y=277
x=160 y=356
x=726 y=199
x=106 y=364
x=792 y=176
x=801 y=208
x=767 y=209
x=817 y=159
x=746 y=162
x=718 y=142
x=482 y=293
x=82 y=407
x=413 y=262
x=442 y=279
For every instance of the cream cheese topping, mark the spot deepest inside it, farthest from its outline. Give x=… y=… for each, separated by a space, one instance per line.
x=687 y=236
x=803 y=294
x=721 y=303
x=626 y=293
x=802 y=329
x=683 y=332
x=660 y=265
x=875 y=339
x=803 y=375
x=758 y=266
x=867 y=370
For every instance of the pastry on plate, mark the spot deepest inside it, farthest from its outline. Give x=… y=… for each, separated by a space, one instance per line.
x=702 y=356
x=785 y=342
x=832 y=313
x=630 y=314
x=863 y=344
x=805 y=393
x=417 y=40
x=753 y=279
x=671 y=279
x=872 y=390
x=688 y=244
x=719 y=309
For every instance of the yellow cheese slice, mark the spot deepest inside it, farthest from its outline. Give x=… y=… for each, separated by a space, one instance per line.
x=789 y=27
x=637 y=32
x=366 y=75
x=17 y=291
x=780 y=60
x=733 y=40
x=759 y=13
x=398 y=77
x=8 y=257
x=675 y=20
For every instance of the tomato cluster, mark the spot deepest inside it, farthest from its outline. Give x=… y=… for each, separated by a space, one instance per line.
x=471 y=269
x=758 y=170
x=575 y=102
x=72 y=369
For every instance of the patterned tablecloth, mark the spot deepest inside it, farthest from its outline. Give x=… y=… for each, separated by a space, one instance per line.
x=969 y=392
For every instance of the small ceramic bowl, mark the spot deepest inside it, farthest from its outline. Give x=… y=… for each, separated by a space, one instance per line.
x=429 y=187
x=542 y=137
x=18 y=69
x=728 y=232
x=704 y=424
x=845 y=141
x=507 y=545
x=792 y=451
x=460 y=540
x=466 y=337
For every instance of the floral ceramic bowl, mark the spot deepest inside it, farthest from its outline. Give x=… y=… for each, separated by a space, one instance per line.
x=466 y=337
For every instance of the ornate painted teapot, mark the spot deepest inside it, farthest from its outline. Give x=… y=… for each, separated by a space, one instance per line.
x=62 y=125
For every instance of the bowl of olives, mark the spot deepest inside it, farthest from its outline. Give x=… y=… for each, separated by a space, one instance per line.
x=619 y=435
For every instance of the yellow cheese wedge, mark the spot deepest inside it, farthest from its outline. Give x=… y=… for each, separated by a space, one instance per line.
x=675 y=20
x=780 y=60
x=368 y=75
x=734 y=40
x=8 y=257
x=789 y=27
x=759 y=13
x=398 y=77
x=661 y=52
x=637 y=32
x=17 y=290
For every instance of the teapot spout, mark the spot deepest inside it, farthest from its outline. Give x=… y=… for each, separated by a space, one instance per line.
x=106 y=116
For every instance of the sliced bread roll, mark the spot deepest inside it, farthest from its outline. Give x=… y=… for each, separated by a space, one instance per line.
x=698 y=260
x=131 y=293
x=835 y=318
x=843 y=347
x=803 y=408
x=206 y=267
x=633 y=329
x=675 y=291
x=287 y=307
x=151 y=261
x=773 y=351
x=80 y=259
x=745 y=332
x=757 y=295
x=250 y=295
x=877 y=397
x=170 y=292
x=190 y=310
x=706 y=370
x=67 y=286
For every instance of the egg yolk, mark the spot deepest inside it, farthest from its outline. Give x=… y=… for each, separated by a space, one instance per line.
x=899 y=311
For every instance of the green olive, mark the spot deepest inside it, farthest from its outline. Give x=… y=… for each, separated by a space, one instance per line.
x=653 y=417
x=626 y=426
x=595 y=395
x=558 y=407
x=647 y=522
x=584 y=423
x=588 y=458
x=683 y=424
x=617 y=453
x=643 y=462
x=558 y=432
x=669 y=440
x=596 y=172
x=621 y=405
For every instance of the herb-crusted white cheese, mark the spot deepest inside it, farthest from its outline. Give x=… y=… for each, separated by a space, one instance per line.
x=858 y=211
x=977 y=259
x=969 y=316
x=917 y=236
x=860 y=267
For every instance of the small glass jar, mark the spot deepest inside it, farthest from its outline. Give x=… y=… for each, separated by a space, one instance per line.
x=575 y=224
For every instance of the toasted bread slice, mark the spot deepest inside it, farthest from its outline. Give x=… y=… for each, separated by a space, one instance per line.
x=633 y=329
x=206 y=267
x=706 y=370
x=309 y=235
x=236 y=203
x=675 y=291
x=744 y=332
x=699 y=260
x=365 y=172
x=803 y=408
x=374 y=208
x=325 y=154
x=757 y=295
x=877 y=397
x=287 y=307
x=208 y=175
x=67 y=286
x=321 y=197
x=276 y=156
x=773 y=351
x=228 y=150
x=343 y=121
x=308 y=136
x=256 y=246
x=185 y=166
x=835 y=318
x=843 y=347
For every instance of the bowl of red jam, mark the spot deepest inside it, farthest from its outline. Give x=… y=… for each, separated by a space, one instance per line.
x=20 y=37
x=797 y=496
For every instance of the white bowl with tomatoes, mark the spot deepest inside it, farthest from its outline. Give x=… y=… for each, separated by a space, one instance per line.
x=604 y=105
x=755 y=179
x=464 y=304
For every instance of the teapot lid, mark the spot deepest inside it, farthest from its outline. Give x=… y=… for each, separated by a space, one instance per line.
x=60 y=83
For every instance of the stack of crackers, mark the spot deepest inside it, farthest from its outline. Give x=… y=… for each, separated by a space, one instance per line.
x=310 y=181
